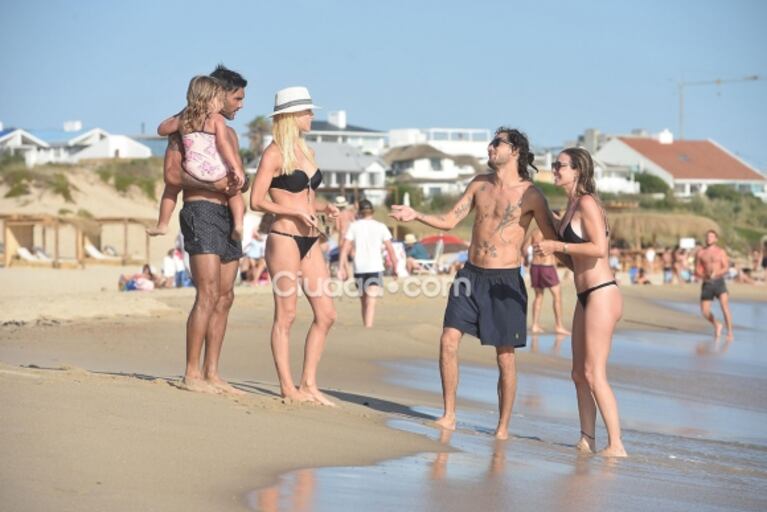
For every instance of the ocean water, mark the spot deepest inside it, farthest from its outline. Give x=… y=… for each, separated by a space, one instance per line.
x=695 y=429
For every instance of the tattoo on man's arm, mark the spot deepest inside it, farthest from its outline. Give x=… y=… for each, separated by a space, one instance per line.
x=462 y=209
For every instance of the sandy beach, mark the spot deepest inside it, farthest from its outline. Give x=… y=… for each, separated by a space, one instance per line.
x=93 y=420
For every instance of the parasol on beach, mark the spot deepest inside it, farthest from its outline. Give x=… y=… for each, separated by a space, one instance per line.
x=452 y=243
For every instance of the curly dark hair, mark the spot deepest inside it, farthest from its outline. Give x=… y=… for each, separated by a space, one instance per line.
x=519 y=141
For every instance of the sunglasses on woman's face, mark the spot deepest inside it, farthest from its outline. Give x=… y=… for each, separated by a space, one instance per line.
x=558 y=165
x=498 y=141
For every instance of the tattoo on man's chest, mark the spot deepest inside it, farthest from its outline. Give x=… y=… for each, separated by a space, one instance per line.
x=511 y=215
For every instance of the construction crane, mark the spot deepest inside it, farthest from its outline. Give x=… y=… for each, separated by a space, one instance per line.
x=683 y=84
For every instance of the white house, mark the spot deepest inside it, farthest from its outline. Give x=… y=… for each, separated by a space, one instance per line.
x=337 y=130
x=113 y=146
x=688 y=166
x=433 y=171
x=615 y=179
x=345 y=168
x=451 y=141
x=17 y=141
x=69 y=145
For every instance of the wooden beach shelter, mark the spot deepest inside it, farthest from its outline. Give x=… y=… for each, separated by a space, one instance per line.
x=19 y=238
x=92 y=246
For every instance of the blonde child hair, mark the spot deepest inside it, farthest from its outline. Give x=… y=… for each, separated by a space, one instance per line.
x=202 y=91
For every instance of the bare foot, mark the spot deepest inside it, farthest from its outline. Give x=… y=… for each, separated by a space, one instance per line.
x=502 y=433
x=536 y=329
x=224 y=387
x=717 y=329
x=614 y=451
x=237 y=232
x=585 y=445
x=446 y=422
x=157 y=230
x=196 y=385
x=317 y=396
x=730 y=336
x=562 y=330
x=298 y=396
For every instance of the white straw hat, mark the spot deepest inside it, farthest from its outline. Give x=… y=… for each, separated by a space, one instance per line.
x=341 y=202
x=292 y=99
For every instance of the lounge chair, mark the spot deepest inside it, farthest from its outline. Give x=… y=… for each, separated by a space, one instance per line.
x=430 y=265
x=27 y=258
x=96 y=256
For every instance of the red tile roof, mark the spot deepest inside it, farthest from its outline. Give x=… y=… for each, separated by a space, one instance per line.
x=694 y=159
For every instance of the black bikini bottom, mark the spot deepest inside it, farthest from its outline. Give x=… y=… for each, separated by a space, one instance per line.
x=584 y=295
x=304 y=243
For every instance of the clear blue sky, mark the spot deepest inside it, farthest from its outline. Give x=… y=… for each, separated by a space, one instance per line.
x=550 y=68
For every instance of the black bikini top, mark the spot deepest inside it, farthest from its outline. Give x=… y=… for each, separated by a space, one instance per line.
x=570 y=237
x=297 y=181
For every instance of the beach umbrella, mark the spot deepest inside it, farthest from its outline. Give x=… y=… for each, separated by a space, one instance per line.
x=452 y=243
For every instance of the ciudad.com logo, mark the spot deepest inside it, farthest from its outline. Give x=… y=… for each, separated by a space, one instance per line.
x=286 y=284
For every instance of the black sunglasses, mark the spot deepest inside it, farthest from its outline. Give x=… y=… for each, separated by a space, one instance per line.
x=498 y=141
x=558 y=165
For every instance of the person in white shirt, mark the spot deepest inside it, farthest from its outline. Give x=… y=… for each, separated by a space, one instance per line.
x=169 y=270
x=368 y=236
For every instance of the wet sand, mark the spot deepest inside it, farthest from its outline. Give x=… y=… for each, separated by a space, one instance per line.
x=92 y=421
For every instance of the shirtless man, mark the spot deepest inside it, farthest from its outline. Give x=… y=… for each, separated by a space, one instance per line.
x=488 y=298
x=214 y=256
x=543 y=276
x=711 y=265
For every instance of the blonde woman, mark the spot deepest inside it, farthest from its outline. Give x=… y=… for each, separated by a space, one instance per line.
x=285 y=185
x=584 y=237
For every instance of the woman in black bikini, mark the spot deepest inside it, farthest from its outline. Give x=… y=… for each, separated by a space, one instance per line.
x=584 y=237
x=289 y=176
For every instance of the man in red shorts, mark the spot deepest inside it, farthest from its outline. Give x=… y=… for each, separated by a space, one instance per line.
x=543 y=275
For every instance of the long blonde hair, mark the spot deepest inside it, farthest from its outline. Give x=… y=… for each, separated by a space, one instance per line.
x=286 y=135
x=201 y=92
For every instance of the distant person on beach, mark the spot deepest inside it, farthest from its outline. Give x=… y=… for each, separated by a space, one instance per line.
x=347 y=214
x=488 y=298
x=543 y=276
x=414 y=251
x=712 y=265
x=584 y=237
x=667 y=258
x=285 y=185
x=209 y=154
x=367 y=237
x=207 y=226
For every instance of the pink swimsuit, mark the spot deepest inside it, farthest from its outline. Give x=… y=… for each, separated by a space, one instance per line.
x=201 y=157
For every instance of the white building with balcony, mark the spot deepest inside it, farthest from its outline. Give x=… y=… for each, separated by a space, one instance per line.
x=336 y=130
x=451 y=141
x=433 y=171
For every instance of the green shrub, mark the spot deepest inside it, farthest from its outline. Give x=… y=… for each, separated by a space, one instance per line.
x=650 y=183
x=416 y=197
x=143 y=174
x=726 y=192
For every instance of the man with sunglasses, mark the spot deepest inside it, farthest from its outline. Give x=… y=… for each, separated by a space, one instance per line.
x=488 y=298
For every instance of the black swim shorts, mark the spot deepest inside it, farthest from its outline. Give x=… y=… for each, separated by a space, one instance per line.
x=712 y=289
x=207 y=229
x=490 y=304
x=365 y=280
